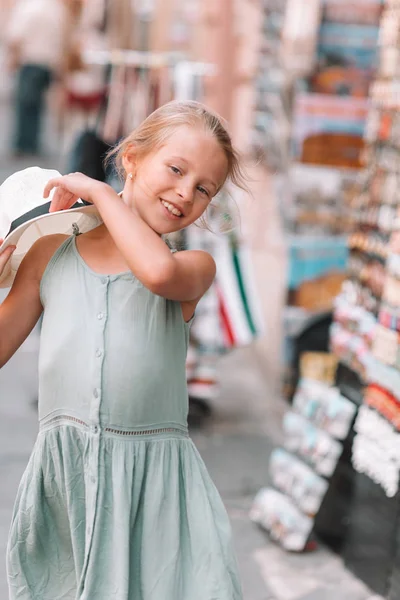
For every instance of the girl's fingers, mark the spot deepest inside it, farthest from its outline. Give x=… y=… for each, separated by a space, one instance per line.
x=62 y=200
x=5 y=255
x=56 y=200
x=9 y=249
x=52 y=183
x=67 y=190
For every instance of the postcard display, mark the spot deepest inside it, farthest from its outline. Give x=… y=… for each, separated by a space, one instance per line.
x=300 y=471
x=330 y=116
x=271 y=128
x=366 y=332
x=329 y=113
x=365 y=337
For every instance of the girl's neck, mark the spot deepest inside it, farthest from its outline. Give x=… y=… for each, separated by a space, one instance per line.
x=100 y=233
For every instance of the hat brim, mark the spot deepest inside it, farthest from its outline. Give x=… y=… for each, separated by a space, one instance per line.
x=25 y=231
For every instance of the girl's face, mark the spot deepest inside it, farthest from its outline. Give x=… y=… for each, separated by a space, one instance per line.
x=172 y=186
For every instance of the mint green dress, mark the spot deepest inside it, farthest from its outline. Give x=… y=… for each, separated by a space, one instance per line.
x=115 y=503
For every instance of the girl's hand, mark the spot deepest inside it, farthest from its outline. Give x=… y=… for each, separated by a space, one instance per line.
x=69 y=188
x=5 y=255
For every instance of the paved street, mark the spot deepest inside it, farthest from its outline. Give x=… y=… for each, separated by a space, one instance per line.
x=235 y=445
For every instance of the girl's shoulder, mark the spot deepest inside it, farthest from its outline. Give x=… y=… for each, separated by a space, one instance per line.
x=42 y=251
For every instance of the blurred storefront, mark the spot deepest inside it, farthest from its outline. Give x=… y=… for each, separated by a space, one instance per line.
x=336 y=478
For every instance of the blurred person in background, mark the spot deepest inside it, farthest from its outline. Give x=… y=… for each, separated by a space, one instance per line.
x=39 y=51
x=83 y=90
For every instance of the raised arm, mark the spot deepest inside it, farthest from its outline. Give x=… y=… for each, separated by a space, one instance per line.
x=183 y=276
x=22 y=308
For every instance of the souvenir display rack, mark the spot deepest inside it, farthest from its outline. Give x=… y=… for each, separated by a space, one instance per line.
x=365 y=335
x=362 y=500
x=329 y=112
x=272 y=111
x=315 y=430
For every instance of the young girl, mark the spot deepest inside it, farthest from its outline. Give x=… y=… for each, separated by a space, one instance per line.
x=116 y=503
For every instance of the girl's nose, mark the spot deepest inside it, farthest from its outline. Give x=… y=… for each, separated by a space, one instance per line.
x=186 y=193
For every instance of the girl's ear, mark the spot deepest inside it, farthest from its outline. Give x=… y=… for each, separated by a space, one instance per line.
x=129 y=160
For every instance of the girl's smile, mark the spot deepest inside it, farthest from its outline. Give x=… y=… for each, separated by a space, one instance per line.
x=172 y=210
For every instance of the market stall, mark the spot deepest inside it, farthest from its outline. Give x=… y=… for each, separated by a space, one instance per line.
x=336 y=478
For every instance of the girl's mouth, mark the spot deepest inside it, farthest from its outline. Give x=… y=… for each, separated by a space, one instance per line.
x=171 y=210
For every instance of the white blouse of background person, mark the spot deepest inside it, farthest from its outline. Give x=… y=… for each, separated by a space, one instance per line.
x=38 y=28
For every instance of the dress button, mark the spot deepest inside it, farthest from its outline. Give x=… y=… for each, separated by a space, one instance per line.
x=104 y=280
x=96 y=393
x=99 y=353
x=100 y=316
x=95 y=429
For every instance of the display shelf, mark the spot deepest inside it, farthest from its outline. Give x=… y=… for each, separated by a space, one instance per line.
x=371 y=544
x=307 y=473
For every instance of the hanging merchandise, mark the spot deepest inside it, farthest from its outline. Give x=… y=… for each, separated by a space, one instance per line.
x=116 y=96
x=365 y=332
x=366 y=12
x=120 y=24
x=327 y=149
x=328 y=130
x=229 y=315
x=330 y=112
x=271 y=128
x=186 y=82
x=337 y=475
x=299 y=36
x=144 y=8
x=88 y=155
x=321 y=206
x=239 y=309
x=329 y=118
x=137 y=84
x=346 y=58
x=83 y=86
x=89 y=147
x=377 y=443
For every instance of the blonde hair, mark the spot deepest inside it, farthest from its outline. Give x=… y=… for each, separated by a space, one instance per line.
x=154 y=131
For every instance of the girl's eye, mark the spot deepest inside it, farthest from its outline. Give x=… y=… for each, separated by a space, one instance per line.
x=175 y=170
x=203 y=190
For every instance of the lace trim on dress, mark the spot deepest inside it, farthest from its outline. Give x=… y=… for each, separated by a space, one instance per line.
x=60 y=419
x=137 y=432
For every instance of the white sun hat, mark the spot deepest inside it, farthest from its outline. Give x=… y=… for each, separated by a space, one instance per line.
x=25 y=217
